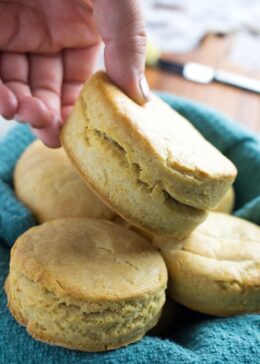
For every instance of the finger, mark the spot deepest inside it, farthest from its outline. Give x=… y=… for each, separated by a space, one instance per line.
x=66 y=110
x=8 y=102
x=45 y=80
x=15 y=72
x=70 y=93
x=121 y=26
x=78 y=65
x=33 y=111
x=50 y=134
x=46 y=73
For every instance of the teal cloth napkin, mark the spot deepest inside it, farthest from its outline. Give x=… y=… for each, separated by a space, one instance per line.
x=197 y=338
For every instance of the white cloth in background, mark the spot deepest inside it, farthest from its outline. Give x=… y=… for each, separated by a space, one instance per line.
x=5 y=126
x=246 y=50
x=179 y=25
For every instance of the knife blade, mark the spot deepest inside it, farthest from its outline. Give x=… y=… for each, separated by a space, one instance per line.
x=200 y=73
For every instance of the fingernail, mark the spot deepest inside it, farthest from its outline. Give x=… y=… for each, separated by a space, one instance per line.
x=145 y=90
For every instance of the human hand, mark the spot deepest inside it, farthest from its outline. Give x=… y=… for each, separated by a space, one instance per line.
x=49 y=48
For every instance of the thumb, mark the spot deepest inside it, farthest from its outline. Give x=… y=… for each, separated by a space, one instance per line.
x=121 y=26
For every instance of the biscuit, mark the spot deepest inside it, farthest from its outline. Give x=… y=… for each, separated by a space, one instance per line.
x=216 y=270
x=226 y=204
x=147 y=162
x=46 y=182
x=85 y=284
x=118 y=220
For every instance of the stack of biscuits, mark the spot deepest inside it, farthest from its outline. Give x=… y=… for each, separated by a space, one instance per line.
x=135 y=203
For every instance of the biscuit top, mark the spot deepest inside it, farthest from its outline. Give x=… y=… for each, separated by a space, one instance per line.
x=89 y=259
x=220 y=237
x=163 y=132
x=46 y=181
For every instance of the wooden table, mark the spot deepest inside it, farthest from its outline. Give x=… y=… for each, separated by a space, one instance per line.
x=241 y=106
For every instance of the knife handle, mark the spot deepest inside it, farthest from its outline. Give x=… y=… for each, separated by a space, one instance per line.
x=172 y=67
x=241 y=82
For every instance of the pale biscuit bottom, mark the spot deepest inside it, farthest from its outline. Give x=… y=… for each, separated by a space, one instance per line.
x=81 y=325
x=118 y=220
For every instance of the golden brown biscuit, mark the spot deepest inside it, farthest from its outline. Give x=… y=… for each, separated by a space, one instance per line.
x=85 y=284
x=226 y=204
x=46 y=182
x=147 y=162
x=216 y=270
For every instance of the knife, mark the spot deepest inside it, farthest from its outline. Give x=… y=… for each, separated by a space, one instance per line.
x=200 y=73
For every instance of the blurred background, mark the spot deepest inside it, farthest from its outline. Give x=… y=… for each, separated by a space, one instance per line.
x=224 y=34
x=179 y=26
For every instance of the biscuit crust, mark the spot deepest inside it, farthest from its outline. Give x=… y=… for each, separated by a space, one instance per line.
x=47 y=183
x=148 y=163
x=226 y=204
x=85 y=284
x=216 y=270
